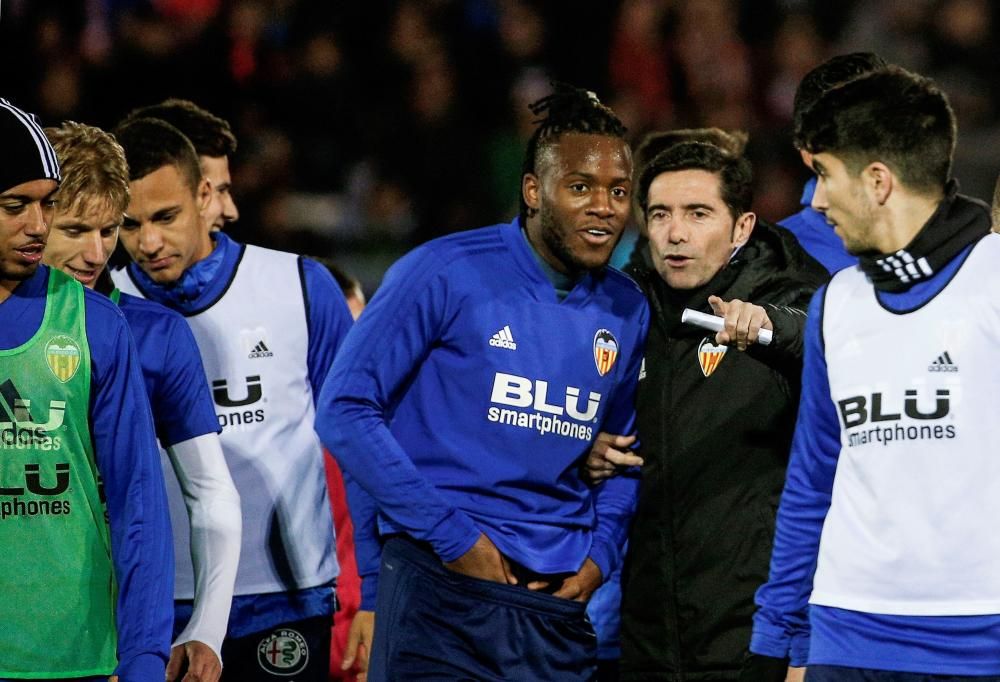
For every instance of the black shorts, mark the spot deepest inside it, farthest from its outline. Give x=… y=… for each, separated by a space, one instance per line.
x=298 y=651
x=434 y=624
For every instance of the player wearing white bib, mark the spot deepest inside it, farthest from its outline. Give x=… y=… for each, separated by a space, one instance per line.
x=267 y=325
x=214 y=141
x=885 y=533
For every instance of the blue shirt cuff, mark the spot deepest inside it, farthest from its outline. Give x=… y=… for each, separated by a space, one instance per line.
x=453 y=536
x=142 y=668
x=772 y=644
x=605 y=556
x=799 y=654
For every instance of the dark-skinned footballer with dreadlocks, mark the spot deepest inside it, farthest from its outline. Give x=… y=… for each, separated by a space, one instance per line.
x=464 y=401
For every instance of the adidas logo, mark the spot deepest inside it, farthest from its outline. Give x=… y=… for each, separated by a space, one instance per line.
x=943 y=364
x=503 y=339
x=260 y=351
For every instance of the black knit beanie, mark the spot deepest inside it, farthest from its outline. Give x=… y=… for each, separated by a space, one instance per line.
x=25 y=152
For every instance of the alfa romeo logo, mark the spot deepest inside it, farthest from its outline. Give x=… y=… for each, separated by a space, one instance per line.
x=283 y=652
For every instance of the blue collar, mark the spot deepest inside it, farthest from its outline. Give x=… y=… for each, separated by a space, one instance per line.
x=808 y=191
x=186 y=292
x=527 y=260
x=563 y=283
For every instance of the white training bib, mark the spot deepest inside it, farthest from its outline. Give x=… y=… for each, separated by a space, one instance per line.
x=912 y=524
x=254 y=342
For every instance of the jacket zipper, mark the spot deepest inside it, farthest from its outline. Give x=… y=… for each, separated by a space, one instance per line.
x=666 y=429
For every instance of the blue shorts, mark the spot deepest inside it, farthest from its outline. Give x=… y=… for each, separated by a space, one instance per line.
x=432 y=623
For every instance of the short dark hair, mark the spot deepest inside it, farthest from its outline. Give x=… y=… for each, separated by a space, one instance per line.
x=734 y=142
x=831 y=73
x=567 y=110
x=210 y=135
x=151 y=144
x=655 y=143
x=734 y=171
x=899 y=118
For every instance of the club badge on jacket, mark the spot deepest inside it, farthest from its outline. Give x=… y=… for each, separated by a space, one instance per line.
x=710 y=355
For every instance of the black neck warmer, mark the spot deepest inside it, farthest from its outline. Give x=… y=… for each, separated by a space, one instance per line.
x=956 y=223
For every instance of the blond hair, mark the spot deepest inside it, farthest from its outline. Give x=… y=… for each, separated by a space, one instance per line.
x=93 y=167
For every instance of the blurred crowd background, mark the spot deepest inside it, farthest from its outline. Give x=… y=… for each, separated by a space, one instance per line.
x=368 y=126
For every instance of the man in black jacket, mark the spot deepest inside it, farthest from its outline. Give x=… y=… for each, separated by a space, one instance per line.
x=716 y=423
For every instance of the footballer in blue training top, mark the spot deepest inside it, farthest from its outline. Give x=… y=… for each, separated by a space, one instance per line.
x=463 y=403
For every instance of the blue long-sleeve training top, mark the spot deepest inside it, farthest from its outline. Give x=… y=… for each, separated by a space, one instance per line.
x=785 y=624
x=129 y=463
x=816 y=235
x=172 y=369
x=468 y=393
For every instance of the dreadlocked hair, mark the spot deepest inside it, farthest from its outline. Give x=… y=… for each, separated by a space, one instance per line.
x=567 y=110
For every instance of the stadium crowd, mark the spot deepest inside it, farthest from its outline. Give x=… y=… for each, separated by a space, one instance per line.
x=348 y=113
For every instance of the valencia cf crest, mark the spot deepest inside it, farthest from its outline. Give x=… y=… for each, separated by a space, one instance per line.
x=709 y=356
x=605 y=351
x=63 y=357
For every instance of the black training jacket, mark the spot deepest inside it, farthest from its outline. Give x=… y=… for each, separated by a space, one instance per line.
x=715 y=450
